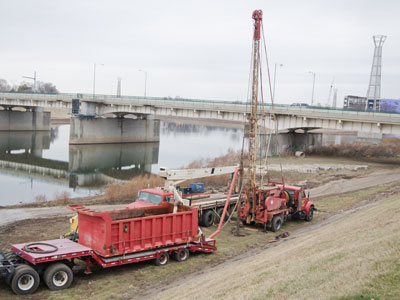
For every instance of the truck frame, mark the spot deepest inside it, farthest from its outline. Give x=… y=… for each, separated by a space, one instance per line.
x=114 y=242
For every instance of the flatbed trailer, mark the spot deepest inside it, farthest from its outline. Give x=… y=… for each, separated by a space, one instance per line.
x=109 y=239
x=52 y=260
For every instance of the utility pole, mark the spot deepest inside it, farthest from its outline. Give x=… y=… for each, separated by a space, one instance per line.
x=145 y=81
x=34 y=80
x=313 y=85
x=273 y=91
x=94 y=79
x=119 y=87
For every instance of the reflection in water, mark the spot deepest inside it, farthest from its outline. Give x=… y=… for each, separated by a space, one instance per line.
x=34 y=164
x=30 y=142
x=97 y=165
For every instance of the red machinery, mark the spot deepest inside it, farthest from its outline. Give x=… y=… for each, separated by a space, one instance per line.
x=109 y=239
x=272 y=203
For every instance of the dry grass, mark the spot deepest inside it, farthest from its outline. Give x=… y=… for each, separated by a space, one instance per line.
x=134 y=280
x=389 y=148
x=340 y=259
x=63 y=198
x=129 y=191
x=40 y=199
x=231 y=158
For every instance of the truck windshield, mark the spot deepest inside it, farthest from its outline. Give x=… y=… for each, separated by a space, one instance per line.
x=149 y=197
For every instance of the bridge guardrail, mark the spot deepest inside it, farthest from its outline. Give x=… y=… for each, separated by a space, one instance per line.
x=235 y=106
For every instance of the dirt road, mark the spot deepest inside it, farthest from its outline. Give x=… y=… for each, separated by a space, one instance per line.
x=16 y=214
x=348 y=185
x=332 y=188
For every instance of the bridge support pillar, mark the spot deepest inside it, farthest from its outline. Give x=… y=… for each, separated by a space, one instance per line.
x=35 y=120
x=289 y=142
x=86 y=130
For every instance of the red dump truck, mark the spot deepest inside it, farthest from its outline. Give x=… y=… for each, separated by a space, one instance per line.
x=110 y=238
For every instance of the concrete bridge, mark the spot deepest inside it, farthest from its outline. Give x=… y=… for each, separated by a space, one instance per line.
x=145 y=109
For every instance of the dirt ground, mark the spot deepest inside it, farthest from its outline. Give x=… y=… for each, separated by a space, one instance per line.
x=356 y=192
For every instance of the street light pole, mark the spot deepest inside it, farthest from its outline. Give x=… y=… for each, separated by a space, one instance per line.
x=313 y=85
x=273 y=91
x=145 y=81
x=34 y=80
x=94 y=79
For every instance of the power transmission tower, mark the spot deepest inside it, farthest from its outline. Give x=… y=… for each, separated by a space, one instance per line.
x=374 y=88
x=119 y=87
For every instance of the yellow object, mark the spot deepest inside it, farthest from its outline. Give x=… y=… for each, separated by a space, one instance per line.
x=72 y=234
x=73 y=223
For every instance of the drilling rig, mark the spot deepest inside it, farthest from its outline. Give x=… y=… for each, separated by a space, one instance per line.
x=272 y=203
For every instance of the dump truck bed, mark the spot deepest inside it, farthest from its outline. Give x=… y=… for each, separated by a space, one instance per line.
x=120 y=232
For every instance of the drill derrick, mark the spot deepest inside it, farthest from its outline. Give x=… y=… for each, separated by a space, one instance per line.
x=251 y=187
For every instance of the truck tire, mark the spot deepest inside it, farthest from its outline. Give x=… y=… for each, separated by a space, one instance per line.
x=58 y=276
x=181 y=255
x=208 y=218
x=310 y=214
x=219 y=215
x=25 y=280
x=276 y=223
x=162 y=259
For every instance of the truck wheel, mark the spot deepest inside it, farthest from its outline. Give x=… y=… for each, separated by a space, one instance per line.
x=208 y=218
x=25 y=280
x=162 y=259
x=181 y=255
x=276 y=223
x=310 y=215
x=219 y=215
x=58 y=276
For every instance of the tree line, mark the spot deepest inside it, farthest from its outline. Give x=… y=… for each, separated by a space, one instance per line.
x=26 y=87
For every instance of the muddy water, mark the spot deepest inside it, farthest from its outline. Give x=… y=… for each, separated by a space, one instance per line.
x=43 y=166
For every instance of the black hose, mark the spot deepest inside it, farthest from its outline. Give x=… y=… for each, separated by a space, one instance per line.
x=26 y=248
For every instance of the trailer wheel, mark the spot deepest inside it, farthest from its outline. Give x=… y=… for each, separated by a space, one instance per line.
x=58 y=276
x=162 y=259
x=25 y=280
x=276 y=223
x=310 y=215
x=219 y=215
x=208 y=218
x=181 y=255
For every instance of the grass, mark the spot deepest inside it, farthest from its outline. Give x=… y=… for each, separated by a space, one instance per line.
x=129 y=191
x=389 y=147
x=354 y=257
x=315 y=255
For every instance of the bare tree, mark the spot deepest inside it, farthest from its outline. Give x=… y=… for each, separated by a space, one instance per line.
x=4 y=86
x=46 y=88
x=25 y=87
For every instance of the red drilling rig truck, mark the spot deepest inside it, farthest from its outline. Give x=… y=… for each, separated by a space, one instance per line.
x=269 y=204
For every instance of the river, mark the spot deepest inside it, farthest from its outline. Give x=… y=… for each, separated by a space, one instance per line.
x=42 y=166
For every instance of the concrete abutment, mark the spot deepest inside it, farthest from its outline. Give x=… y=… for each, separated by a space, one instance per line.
x=35 y=120
x=88 y=130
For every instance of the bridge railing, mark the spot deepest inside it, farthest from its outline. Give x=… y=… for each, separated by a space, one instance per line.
x=239 y=105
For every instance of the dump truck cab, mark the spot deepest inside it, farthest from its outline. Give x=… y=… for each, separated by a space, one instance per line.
x=152 y=197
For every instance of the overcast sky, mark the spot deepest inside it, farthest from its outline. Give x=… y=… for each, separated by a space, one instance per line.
x=199 y=49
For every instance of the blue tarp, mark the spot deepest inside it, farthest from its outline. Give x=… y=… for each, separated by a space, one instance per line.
x=390 y=105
